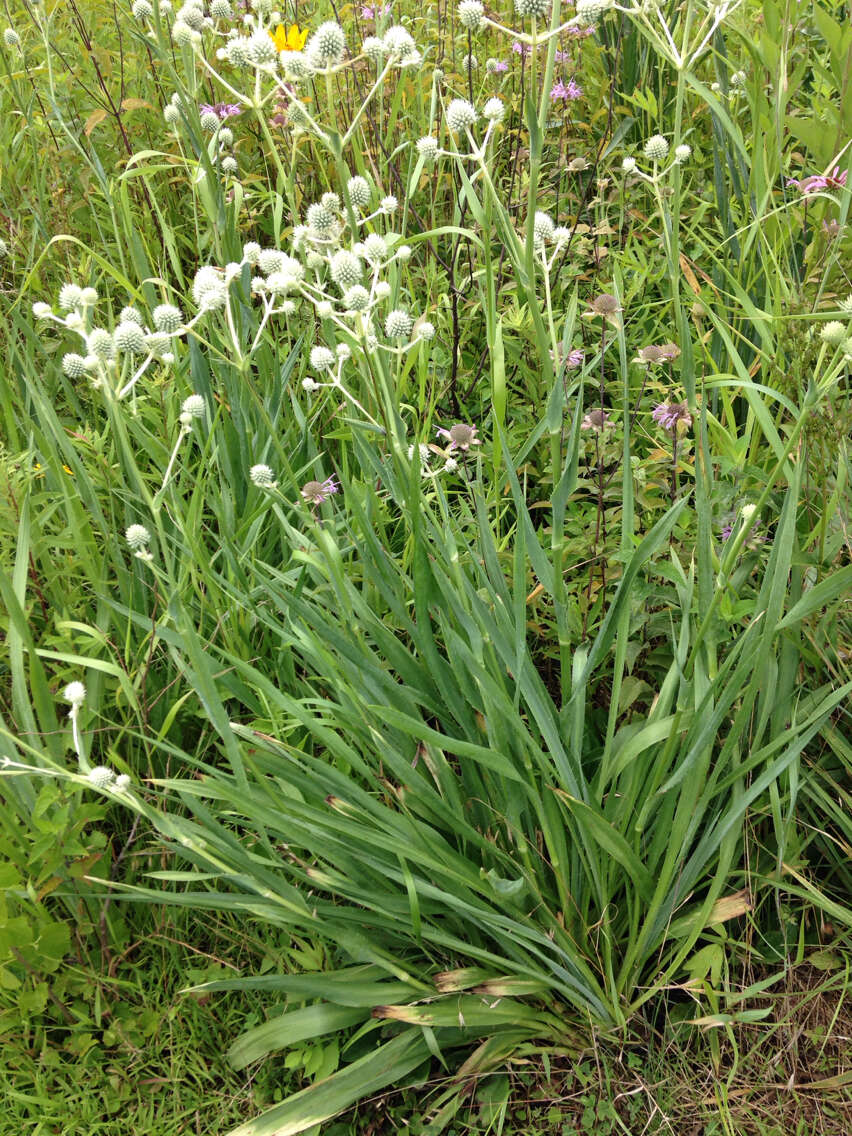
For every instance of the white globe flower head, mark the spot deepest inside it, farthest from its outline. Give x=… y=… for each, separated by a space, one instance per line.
x=41 y=310
x=358 y=189
x=470 y=63
x=101 y=777
x=209 y=120
x=310 y=385
x=129 y=338
x=142 y=10
x=130 y=314
x=471 y=15
x=168 y=318
x=251 y=252
x=89 y=297
x=229 y=165
x=356 y=299
x=494 y=110
x=325 y=309
x=74 y=365
x=262 y=476
x=288 y=307
x=398 y=324
x=543 y=228
x=270 y=260
x=75 y=321
x=374 y=49
x=194 y=406
x=629 y=165
x=346 y=269
x=591 y=12
x=138 y=538
x=382 y=290
x=220 y=10
x=99 y=343
x=184 y=35
x=656 y=148
x=11 y=38
x=425 y=330
x=399 y=44
x=70 y=297
x=296 y=66
x=833 y=333
x=427 y=148
x=403 y=252
x=461 y=115
x=122 y=783
x=375 y=249
x=532 y=9
x=389 y=204
x=327 y=45
x=322 y=358
x=682 y=152
x=330 y=201
x=343 y=351
x=321 y=219
x=209 y=290
x=261 y=49
x=75 y=693
x=171 y=114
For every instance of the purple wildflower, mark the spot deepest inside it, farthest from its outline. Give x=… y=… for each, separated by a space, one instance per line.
x=669 y=415
x=521 y=49
x=500 y=65
x=726 y=531
x=222 y=110
x=368 y=12
x=318 y=491
x=597 y=420
x=834 y=180
x=561 y=91
x=574 y=358
x=461 y=436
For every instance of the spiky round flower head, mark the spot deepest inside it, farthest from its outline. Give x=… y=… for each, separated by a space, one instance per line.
x=237 y=51
x=315 y=260
x=398 y=43
x=262 y=476
x=220 y=10
x=682 y=152
x=358 y=189
x=229 y=165
x=122 y=783
x=194 y=406
x=461 y=115
x=321 y=219
x=833 y=333
x=310 y=385
x=89 y=297
x=325 y=309
x=471 y=15
x=192 y=13
x=70 y=297
x=4 y=249
x=375 y=249
x=261 y=49
x=543 y=228
x=158 y=344
x=427 y=148
x=41 y=310
x=171 y=114
x=469 y=63
x=288 y=307
x=389 y=204
x=629 y=165
x=99 y=343
x=74 y=365
x=738 y=79
x=75 y=321
x=11 y=38
x=137 y=537
x=398 y=324
x=330 y=201
x=846 y=305
x=356 y=299
x=656 y=148
x=590 y=12
x=142 y=10
x=209 y=120
x=425 y=330
x=382 y=290
x=129 y=338
x=531 y=9
x=184 y=35
x=296 y=65
x=403 y=252
x=209 y=290
x=494 y=110
x=345 y=268
x=251 y=252
x=75 y=693
x=129 y=314
x=269 y=261
x=374 y=49
x=327 y=45
x=343 y=351
x=168 y=318
x=101 y=777
x=322 y=358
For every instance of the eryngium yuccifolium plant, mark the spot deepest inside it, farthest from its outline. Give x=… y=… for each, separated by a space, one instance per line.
x=427 y=147
x=656 y=148
x=359 y=191
x=471 y=14
x=326 y=46
x=532 y=9
x=590 y=12
x=398 y=324
x=461 y=115
x=494 y=110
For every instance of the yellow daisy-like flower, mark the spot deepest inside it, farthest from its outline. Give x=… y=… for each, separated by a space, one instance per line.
x=289 y=39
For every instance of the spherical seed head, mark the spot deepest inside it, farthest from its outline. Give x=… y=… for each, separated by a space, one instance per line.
x=99 y=343
x=682 y=152
x=262 y=476
x=209 y=120
x=494 y=110
x=251 y=252
x=229 y=165
x=74 y=365
x=374 y=49
x=320 y=219
x=226 y=137
x=358 y=189
x=375 y=249
x=194 y=406
x=833 y=333
x=130 y=314
x=531 y=9
x=122 y=782
x=70 y=297
x=738 y=79
x=389 y=204
x=543 y=228
x=605 y=304
x=592 y=11
x=356 y=299
x=461 y=115
x=129 y=338
x=142 y=10
x=427 y=147
x=11 y=38
x=343 y=351
x=137 y=537
x=158 y=344
x=346 y=269
x=220 y=10
x=237 y=51
x=75 y=693
x=327 y=45
x=296 y=65
x=330 y=201
x=261 y=49
x=471 y=15
x=398 y=324
x=425 y=330
x=270 y=260
x=168 y=318
x=399 y=44
x=209 y=289
x=183 y=34
x=322 y=358
x=171 y=114
x=41 y=310
x=470 y=63
x=656 y=148
x=101 y=777
x=629 y=165
x=382 y=290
